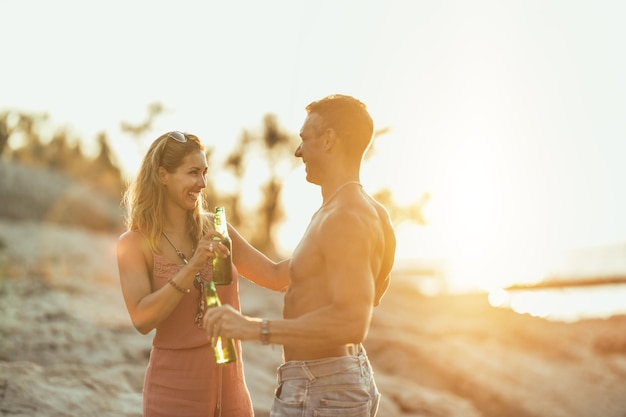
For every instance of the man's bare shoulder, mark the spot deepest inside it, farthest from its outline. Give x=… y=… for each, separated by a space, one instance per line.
x=358 y=208
x=352 y=215
x=382 y=212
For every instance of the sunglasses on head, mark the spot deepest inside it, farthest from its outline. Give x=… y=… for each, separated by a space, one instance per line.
x=177 y=136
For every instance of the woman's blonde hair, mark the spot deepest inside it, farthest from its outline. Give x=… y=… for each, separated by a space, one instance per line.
x=144 y=197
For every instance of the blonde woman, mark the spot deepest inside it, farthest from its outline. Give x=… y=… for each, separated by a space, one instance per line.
x=163 y=259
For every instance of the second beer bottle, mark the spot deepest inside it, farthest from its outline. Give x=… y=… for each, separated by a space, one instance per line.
x=222 y=267
x=224 y=348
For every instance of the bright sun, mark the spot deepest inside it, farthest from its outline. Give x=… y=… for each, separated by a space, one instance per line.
x=473 y=225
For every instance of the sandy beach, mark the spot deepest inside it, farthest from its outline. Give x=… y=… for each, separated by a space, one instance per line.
x=67 y=347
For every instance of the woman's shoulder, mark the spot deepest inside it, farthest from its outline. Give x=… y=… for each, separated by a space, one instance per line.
x=132 y=236
x=134 y=239
x=135 y=245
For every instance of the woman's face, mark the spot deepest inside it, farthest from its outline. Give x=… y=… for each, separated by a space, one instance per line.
x=184 y=185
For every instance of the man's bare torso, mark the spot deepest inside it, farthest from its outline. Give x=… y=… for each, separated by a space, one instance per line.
x=309 y=290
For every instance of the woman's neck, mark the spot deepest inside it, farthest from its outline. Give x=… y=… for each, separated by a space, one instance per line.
x=175 y=224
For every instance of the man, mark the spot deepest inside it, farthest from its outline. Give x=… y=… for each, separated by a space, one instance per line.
x=338 y=272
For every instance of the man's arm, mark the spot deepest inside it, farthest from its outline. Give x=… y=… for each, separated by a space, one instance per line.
x=346 y=241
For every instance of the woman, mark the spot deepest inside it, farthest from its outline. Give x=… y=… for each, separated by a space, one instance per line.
x=163 y=259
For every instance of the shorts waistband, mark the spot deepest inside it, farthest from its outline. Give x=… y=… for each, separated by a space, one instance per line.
x=322 y=367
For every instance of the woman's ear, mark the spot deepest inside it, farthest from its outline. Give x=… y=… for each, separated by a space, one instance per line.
x=163 y=175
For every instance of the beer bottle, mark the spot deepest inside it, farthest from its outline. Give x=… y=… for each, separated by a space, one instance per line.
x=224 y=348
x=222 y=267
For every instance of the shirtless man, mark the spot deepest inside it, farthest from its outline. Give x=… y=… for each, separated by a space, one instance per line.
x=338 y=272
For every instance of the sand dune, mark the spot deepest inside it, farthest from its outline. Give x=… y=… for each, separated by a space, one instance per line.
x=67 y=347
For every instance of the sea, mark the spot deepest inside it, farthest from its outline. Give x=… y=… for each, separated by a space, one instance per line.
x=599 y=298
x=566 y=304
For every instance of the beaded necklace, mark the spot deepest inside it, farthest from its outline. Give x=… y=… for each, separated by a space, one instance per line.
x=197 y=282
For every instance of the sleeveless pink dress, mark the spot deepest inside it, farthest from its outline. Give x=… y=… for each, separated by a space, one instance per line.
x=182 y=378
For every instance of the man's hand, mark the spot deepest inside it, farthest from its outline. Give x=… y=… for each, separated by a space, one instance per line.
x=225 y=321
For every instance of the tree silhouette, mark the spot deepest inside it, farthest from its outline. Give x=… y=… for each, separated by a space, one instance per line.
x=412 y=212
x=409 y=213
x=57 y=152
x=102 y=172
x=4 y=134
x=276 y=147
x=106 y=173
x=272 y=144
x=26 y=127
x=137 y=129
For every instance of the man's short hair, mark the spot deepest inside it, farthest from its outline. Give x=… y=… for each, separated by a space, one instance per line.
x=347 y=116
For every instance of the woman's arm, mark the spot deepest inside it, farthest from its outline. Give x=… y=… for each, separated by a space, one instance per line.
x=147 y=309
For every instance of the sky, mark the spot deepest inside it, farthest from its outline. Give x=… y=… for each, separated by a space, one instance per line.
x=509 y=113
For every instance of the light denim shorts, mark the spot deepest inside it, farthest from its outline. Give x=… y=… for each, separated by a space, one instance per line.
x=333 y=387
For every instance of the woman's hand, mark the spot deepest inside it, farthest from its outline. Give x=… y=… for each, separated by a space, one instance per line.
x=209 y=246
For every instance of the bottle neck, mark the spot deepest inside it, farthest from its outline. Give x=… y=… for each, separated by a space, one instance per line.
x=219 y=222
x=221 y=227
x=212 y=299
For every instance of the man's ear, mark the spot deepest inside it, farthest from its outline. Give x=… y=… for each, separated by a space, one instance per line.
x=330 y=138
x=163 y=175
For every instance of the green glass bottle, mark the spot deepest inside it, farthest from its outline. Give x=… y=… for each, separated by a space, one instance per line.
x=222 y=267
x=224 y=348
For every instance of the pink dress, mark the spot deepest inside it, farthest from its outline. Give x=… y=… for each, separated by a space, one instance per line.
x=182 y=378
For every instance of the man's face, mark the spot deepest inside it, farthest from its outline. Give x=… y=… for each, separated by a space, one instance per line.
x=311 y=147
